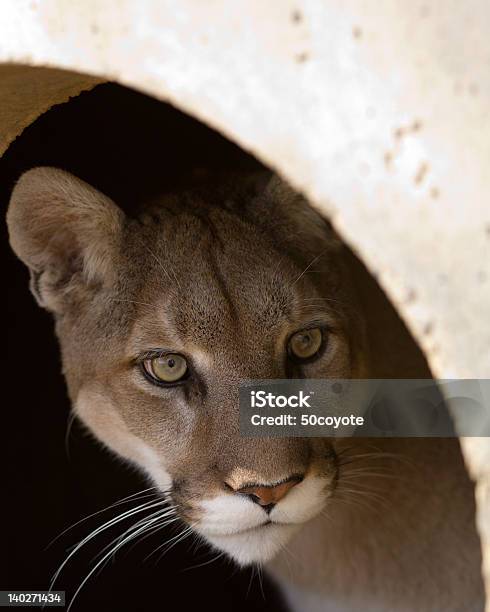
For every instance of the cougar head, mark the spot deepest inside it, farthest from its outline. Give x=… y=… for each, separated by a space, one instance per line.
x=161 y=316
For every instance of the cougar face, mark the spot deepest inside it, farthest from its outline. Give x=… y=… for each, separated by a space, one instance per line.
x=161 y=317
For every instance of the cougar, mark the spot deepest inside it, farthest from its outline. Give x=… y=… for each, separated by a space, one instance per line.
x=160 y=316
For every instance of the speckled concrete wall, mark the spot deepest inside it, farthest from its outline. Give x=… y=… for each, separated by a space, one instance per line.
x=379 y=116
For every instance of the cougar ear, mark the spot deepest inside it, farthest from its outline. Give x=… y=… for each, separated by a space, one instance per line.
x=65 y=231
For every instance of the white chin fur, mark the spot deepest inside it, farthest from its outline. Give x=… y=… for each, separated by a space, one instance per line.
x=235 y=525
x=257 y=545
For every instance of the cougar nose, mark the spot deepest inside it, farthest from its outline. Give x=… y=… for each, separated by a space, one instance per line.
x=267 y=496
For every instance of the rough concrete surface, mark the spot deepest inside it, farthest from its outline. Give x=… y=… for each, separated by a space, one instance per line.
x=380 y=115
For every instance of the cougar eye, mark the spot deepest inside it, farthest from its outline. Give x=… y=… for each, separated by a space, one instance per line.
x=305 y=343
x=168 y=368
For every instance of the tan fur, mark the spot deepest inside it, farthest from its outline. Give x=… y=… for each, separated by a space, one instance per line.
x=224 y=275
